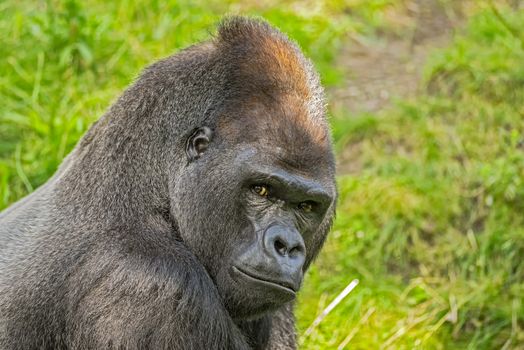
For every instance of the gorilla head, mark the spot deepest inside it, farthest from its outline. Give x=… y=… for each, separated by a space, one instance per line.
x=253 y=197
x=186 y=216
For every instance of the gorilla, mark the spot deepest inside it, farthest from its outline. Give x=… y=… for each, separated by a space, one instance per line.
x=185 y=217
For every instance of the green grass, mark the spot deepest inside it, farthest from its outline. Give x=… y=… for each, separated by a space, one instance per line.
x=431 y=221
x=433 y=224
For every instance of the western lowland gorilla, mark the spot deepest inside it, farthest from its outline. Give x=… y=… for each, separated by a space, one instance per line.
x=186 y=216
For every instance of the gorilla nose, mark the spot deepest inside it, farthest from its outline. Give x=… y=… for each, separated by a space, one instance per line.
x=286 y=246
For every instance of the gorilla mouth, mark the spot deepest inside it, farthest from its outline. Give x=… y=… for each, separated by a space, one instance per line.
x=284 y=286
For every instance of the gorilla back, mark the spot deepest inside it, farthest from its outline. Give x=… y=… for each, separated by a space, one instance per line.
x=187 y=215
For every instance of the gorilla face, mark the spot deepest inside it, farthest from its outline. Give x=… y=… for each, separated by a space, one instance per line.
x=253 y=210
x=283 y=210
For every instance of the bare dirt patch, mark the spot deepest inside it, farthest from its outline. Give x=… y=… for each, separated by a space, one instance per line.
x=389 y=66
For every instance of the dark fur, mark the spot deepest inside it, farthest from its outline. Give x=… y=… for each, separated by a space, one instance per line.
x=116 y=251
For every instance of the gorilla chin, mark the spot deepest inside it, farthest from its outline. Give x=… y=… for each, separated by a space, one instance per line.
x=255 y=296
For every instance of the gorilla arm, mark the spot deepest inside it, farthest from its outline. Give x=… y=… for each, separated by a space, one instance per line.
x=146 y=299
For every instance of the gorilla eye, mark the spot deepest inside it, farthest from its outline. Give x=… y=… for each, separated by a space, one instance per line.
x=306 y=207
x=261 y=190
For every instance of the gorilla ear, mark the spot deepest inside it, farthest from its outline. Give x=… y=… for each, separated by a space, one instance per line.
x=198 y=143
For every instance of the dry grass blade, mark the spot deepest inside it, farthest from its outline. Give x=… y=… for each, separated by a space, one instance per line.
x=331 y=306
x=354 y=331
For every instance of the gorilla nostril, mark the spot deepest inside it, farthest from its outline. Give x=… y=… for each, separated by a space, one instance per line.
x=280 y=247
x=295 y=251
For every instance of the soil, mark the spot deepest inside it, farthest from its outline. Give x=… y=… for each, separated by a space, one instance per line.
x=388 y=66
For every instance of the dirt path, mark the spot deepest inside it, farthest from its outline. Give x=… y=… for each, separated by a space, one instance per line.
x=377 y=71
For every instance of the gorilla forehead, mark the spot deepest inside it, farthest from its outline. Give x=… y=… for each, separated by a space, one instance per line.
x=282 y=130
x=257 y=156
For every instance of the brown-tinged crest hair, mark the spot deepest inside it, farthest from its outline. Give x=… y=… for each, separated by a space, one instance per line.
x=266 y=61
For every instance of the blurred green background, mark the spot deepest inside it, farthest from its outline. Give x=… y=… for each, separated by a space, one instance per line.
x=427 y=109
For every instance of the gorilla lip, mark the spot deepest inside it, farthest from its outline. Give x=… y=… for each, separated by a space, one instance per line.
x=284 y=286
